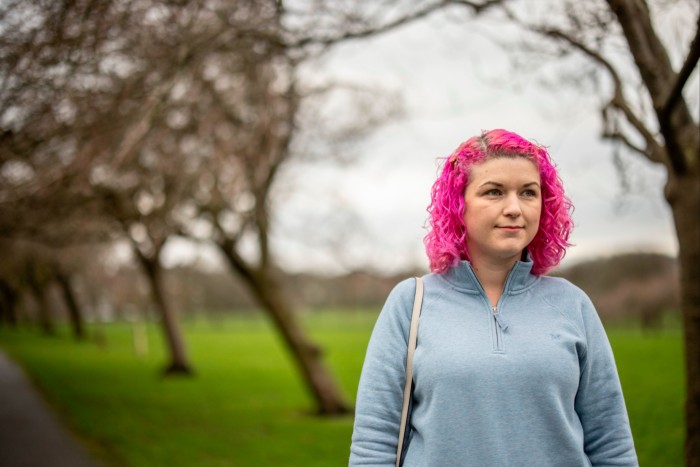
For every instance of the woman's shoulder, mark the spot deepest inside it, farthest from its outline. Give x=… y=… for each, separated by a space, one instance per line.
x=407 y=287
x=403 y=290
x=400 y=299
x=560 y=287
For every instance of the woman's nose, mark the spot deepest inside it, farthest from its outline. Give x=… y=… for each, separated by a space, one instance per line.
x=512 y=207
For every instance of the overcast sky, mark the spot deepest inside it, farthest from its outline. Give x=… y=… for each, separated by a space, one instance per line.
x=454 y=83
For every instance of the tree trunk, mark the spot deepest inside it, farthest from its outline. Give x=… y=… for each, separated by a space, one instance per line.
x=74 y=313
x=8 y=304
x=684 y=198
x=681 y=145
x=41 y=295
x=306 y=354
x=179 y=363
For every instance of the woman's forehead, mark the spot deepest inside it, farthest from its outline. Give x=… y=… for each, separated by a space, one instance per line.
x=504 y=168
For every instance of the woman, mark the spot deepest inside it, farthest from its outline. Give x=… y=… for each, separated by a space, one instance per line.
x=512 y=368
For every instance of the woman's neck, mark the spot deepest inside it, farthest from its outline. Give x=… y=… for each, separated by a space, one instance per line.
x=492 y=276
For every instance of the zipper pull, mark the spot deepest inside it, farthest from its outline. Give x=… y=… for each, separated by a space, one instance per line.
x=501 y=322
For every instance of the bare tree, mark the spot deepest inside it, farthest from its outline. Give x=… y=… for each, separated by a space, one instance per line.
x=34 y=268
x=66 y=284
x=245 y=99
x=145 y=118
x=8 y=303
x=77 y=111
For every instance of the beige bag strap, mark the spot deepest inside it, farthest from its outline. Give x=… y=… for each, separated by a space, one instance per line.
x=412 y=339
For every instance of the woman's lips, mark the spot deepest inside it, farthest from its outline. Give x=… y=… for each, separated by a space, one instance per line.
x=509 y=228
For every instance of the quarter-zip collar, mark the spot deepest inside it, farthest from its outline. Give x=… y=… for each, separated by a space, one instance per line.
x=462 y=277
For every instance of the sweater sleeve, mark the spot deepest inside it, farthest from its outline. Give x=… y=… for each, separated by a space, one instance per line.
x=599 y=401
x=380 y=392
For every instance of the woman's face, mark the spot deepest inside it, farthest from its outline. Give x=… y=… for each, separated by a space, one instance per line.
x=503 y=201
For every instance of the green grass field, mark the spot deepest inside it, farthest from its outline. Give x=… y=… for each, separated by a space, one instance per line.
x=246 y=405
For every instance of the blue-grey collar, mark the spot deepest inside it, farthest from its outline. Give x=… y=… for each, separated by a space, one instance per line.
x=462 y=277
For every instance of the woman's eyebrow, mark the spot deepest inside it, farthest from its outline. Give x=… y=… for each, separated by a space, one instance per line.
x=488 y=182
x=492 y=183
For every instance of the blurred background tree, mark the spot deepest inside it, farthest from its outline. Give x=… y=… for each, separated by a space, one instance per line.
x=145 y=120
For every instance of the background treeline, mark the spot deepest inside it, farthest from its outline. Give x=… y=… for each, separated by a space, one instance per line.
x=641 y=287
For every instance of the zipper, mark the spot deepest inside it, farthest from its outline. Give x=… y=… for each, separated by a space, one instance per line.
x=498 y=324
x=497 y=330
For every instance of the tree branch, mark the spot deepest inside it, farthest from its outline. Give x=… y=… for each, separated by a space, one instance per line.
x=656 y=71
x=683 y=75
x=617 y=135
x=477 y=8
x=654 y=151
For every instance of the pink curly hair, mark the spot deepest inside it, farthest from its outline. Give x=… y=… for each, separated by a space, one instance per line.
x=446 y=241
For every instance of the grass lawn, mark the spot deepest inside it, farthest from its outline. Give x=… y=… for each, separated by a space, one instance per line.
x=652 y=375
x=247 y=407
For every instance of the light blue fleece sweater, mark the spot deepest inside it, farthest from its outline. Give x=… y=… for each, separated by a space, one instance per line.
x=532 y=383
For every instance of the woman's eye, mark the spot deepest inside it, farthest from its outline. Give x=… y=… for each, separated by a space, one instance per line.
x=493 y=192
x=529 y=193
